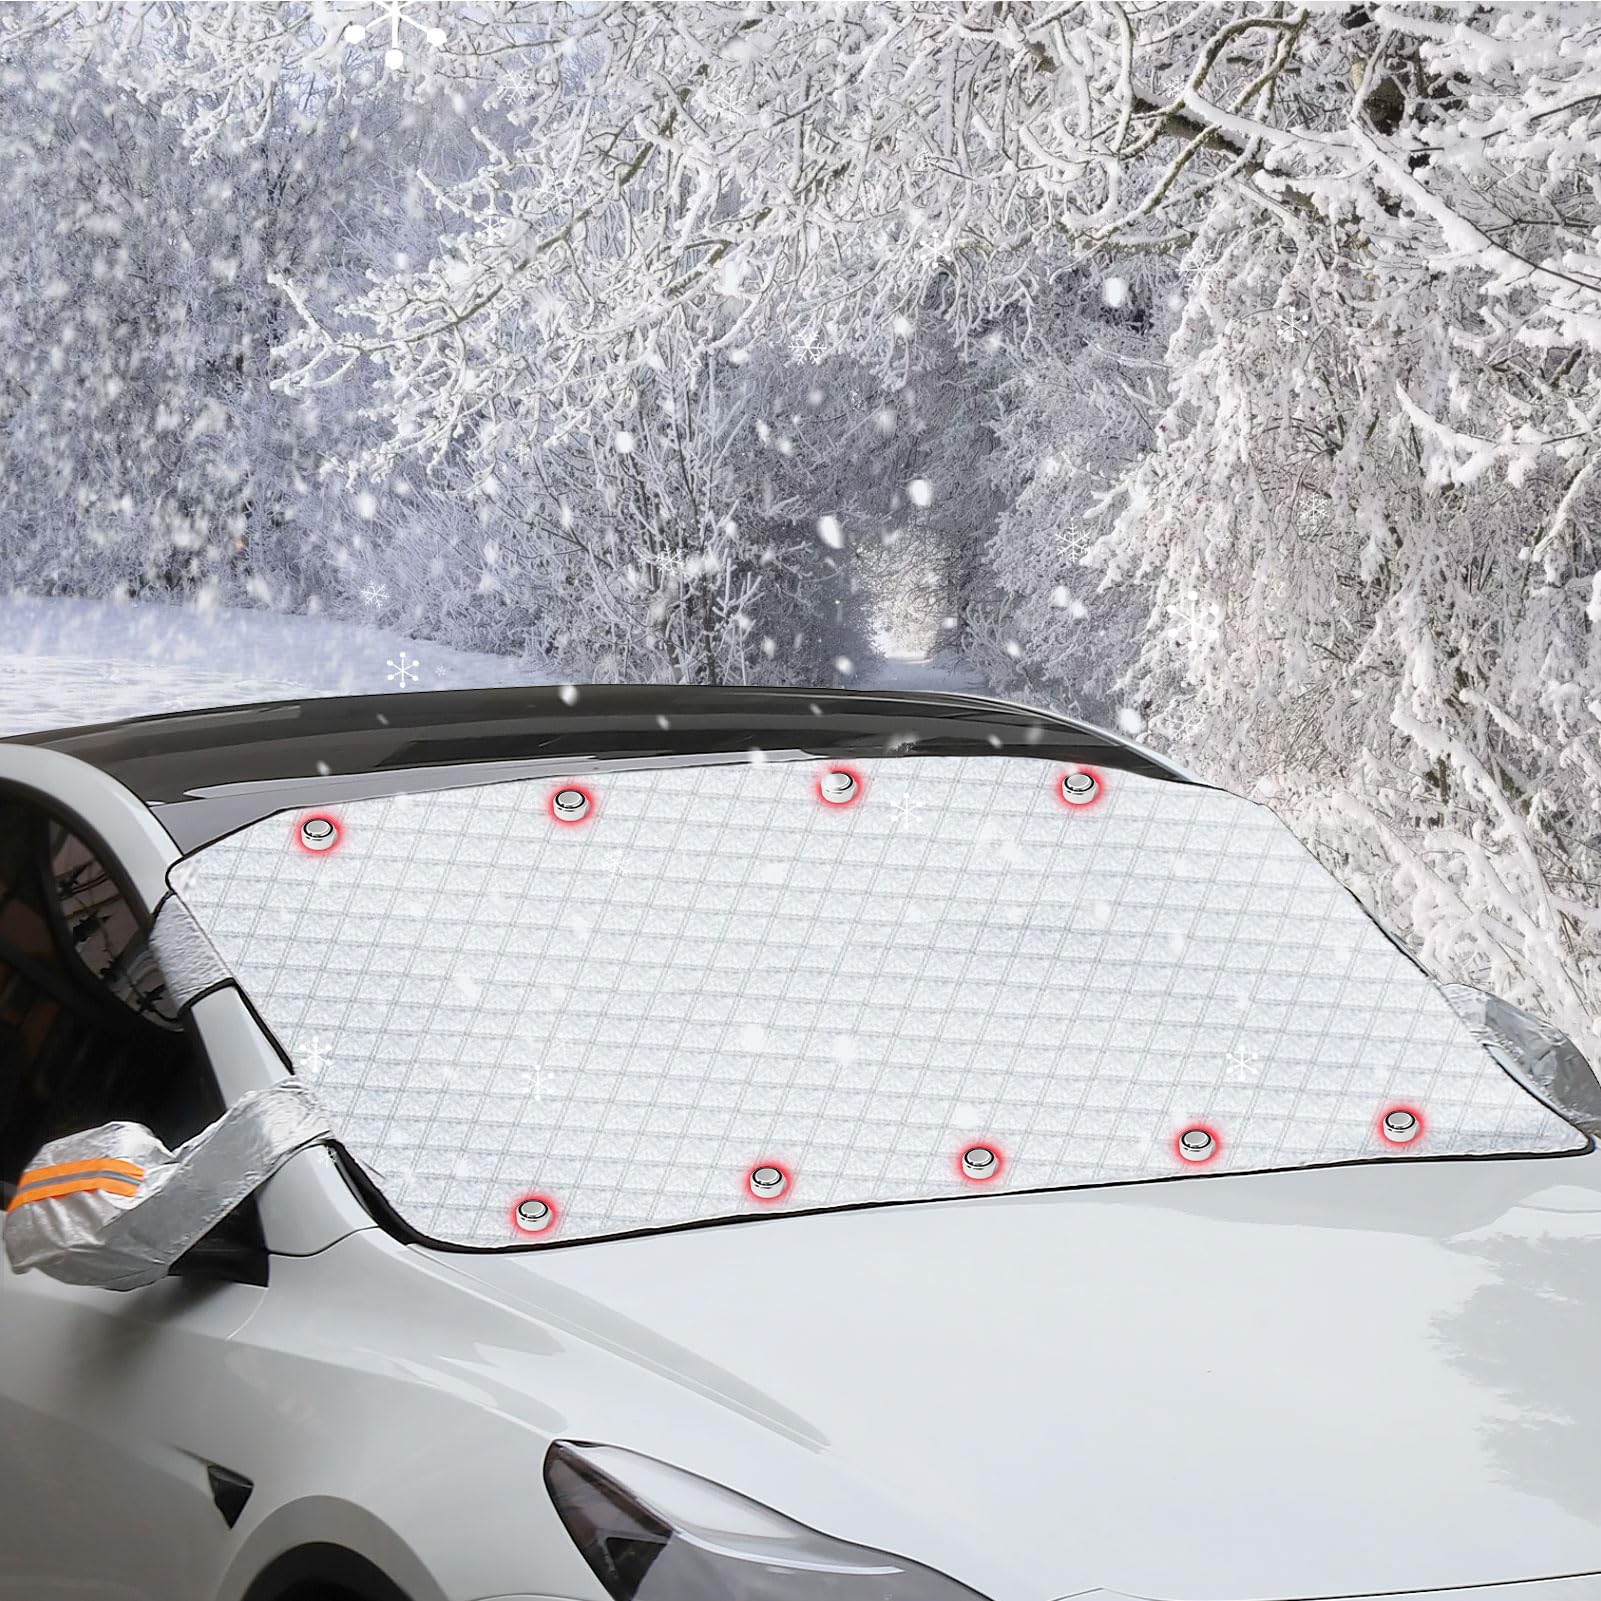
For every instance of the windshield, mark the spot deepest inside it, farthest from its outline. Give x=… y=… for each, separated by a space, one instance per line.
x=550 y=1011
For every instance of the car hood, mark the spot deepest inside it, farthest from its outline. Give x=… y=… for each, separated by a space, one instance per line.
x=1336 y=1382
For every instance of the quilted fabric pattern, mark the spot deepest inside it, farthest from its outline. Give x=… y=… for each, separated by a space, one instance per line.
x=716 y=969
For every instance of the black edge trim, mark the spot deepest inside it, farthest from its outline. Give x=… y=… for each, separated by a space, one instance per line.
x=261 y=1023
x=387 y=1218
x=229 y=1491
x=224 y=1261
x=165 y=759
x=210 y=989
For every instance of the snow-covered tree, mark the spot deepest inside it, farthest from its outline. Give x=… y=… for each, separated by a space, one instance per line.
x=143 y=445
x=1344 y=515
x=1075 y=414
x=1371 y=514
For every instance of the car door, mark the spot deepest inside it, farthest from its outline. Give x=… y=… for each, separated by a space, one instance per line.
x=109 y=1426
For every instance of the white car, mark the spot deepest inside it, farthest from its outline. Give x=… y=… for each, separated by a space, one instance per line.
x=762 y=1144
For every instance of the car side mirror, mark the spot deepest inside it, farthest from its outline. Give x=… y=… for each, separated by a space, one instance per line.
x=1536 y=1053
x=115 y=1208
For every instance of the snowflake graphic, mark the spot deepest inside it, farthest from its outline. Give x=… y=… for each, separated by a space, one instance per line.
x=906 y=809
x=808 y=344
x=1242 y=1063
x=403 y=671
x=374 y=595
x=720 y=102
x=316 y=1059
x=398 y=15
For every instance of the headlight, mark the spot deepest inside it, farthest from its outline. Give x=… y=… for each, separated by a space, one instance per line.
x=1541 y=1057
x=656 y=1533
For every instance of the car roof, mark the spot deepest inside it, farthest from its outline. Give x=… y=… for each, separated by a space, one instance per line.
x=208 y=772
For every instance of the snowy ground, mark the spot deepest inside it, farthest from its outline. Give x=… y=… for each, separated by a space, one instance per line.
x=71 y=661
x=946 y=674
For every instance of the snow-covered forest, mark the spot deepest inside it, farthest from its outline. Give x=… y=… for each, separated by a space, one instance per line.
x=1225 y=374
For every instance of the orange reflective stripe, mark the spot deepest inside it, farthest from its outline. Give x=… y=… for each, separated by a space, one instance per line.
x=90 y=1164
x=51 y=1192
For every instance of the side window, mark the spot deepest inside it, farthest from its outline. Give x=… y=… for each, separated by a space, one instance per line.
x=101 y=929
x=88 y=1034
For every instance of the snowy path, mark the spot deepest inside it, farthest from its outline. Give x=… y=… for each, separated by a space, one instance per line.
x=68 y=661
x=64 y=662
x=943 y=673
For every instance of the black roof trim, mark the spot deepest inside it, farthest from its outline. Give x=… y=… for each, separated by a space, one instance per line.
x=181 y=760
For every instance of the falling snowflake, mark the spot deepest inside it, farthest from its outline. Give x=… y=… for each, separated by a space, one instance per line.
x=403 y=671
x=396 y=13
x=316 y=1059
x=374 y=595
x=1004 y=847
x=396 y=1180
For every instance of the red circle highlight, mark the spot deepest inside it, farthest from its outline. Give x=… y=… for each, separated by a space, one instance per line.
x=590 y=805
x=1417 y=1133
x=854 y=799
x=1084 y=805
x=783 y=1192
x=979 y=1180
x=519 y=1227
x=297 y=835
x=1197 y=1161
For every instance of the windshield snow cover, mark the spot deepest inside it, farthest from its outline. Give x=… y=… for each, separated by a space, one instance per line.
x=543 y=1011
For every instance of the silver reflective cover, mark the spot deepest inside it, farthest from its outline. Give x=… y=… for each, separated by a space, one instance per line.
x=114 y=1208
x=545 y=1010
x=1535 y=1052
x=189 y=961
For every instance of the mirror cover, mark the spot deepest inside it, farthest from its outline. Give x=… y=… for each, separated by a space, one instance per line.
x=113 y=1208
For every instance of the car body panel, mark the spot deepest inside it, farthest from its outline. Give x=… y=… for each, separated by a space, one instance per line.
x=110 y=1406
x=1347 y=1323
x=1328 y=1382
